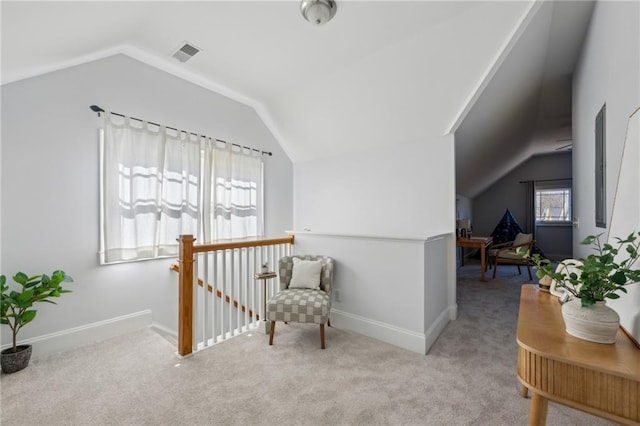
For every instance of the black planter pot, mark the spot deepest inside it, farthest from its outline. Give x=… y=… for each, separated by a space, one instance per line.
x=15 y=361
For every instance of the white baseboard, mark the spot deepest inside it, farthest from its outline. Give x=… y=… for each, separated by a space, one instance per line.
x=435 y=329
x=397 y=336
x=453 y=312
x=79 y=336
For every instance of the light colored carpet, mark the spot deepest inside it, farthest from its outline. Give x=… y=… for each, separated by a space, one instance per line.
x=468 y=378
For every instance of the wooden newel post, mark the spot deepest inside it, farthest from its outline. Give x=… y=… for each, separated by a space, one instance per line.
x=185 y=295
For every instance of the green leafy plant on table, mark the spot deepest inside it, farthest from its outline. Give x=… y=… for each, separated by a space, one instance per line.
x=602 y=276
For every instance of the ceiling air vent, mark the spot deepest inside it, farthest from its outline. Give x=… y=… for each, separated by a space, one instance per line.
x=185 y=52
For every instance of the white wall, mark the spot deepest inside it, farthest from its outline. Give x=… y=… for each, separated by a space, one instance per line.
x=386 y=203
x=50 y=182
x=407 y=191
x=440 y=301
x=608 y=72
x=397 y=290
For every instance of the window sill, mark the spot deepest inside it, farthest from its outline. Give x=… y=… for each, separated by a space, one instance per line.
x=553 y=224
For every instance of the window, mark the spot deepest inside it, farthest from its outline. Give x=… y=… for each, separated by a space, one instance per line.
x=157 y=184
x=553 y=205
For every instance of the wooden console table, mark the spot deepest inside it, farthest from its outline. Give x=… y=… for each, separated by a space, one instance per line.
x=479 y=243
x=597 y=378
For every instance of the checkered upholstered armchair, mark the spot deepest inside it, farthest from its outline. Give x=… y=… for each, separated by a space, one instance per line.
x=304 y=305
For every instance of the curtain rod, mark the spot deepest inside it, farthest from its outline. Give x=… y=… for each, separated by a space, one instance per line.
x=545 y=180
x=98 y=110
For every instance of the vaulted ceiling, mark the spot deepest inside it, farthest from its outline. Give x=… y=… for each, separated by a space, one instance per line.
x=381 y=73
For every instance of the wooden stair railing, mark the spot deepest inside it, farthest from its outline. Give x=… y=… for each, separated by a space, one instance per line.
x=176 y=268
x=185 y=267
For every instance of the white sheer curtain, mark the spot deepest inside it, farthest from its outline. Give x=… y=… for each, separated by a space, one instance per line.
x=232 y=199
x=157 y=184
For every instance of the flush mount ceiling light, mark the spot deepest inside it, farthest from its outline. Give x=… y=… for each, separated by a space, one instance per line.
x=318 y=12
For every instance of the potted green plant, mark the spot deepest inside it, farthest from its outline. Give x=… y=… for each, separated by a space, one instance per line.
x=16 y=310
x=601 y=275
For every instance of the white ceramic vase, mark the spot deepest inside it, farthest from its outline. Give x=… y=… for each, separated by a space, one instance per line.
x=545 y=283
x=596 y=323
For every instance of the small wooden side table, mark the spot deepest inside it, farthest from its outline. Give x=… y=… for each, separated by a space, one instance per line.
x=264 y=277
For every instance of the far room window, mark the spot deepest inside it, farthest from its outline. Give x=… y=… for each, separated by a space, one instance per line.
x=553 y=205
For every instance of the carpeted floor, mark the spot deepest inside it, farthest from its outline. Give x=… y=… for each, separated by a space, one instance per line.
x=468 y=378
